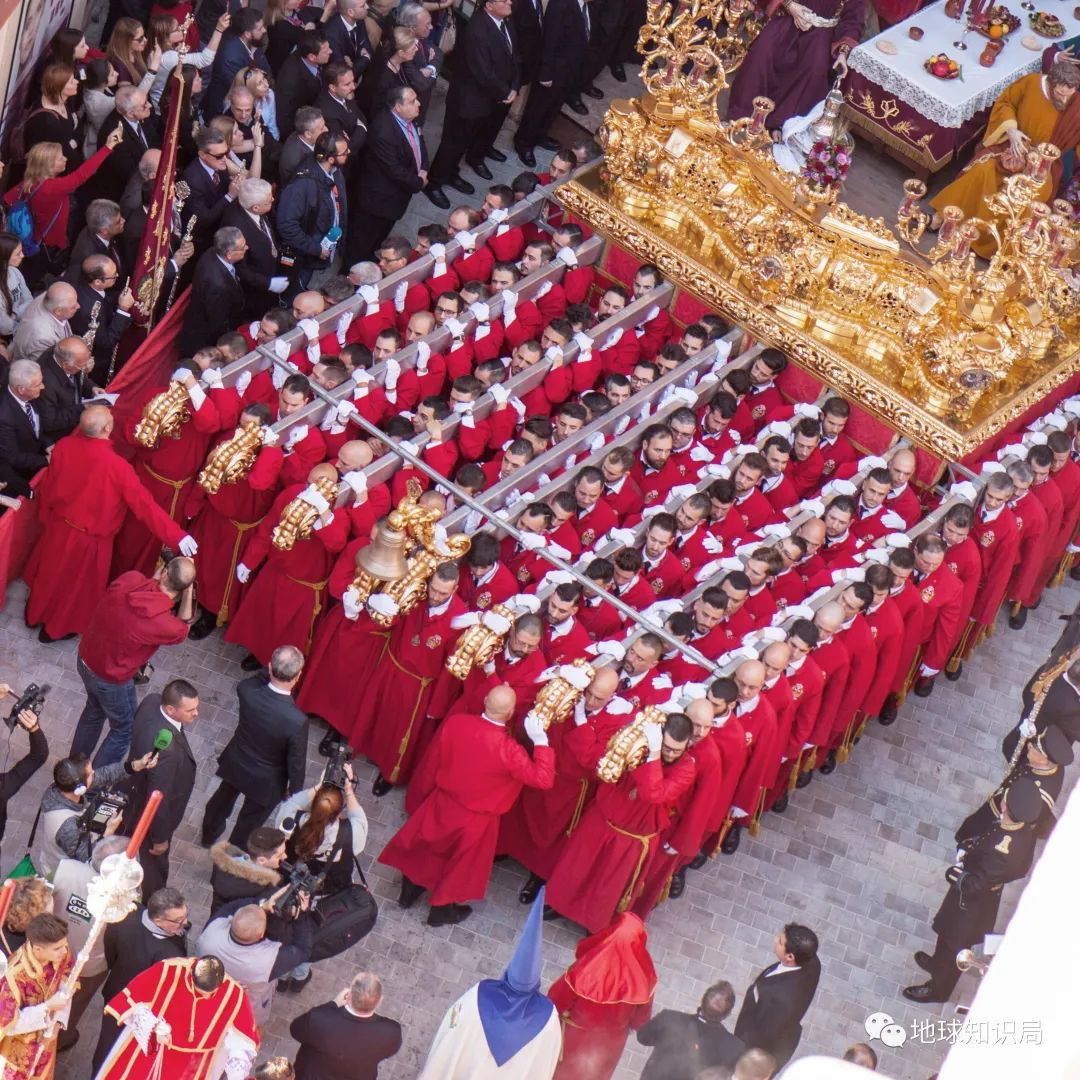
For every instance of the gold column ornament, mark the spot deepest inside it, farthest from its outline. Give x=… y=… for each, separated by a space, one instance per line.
x=481 y=641
x=163 y=416
x=299 y=516
x=628 y=748
x=558 y=696
x=232 y=460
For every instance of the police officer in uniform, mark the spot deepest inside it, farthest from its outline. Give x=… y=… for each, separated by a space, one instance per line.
x=985 y=863
x=1060 y=705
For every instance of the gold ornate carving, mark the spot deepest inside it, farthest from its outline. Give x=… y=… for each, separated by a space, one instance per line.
x=299 y=516
x=232 y=460
x=163 y=416
x=883 y=114
x=628 y=747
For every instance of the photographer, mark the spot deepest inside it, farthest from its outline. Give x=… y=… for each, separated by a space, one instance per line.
x=68 y=823
x=251 y=875
x=12 y=780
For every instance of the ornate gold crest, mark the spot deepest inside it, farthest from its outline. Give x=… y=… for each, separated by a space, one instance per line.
x=483 y=600
x=987 y=538
x=434 y=641
x=928 y=594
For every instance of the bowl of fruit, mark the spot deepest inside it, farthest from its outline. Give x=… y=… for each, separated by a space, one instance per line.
x=942 y=67
x=1046 y=25
x=997 y=22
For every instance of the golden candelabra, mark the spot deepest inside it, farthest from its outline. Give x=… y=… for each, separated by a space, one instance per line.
x=299 y=516
x=628 y=747
x=232 y=460
x=941 y=350
x=479 y=643
x=558 y=695
x=163 y=416
x=92 y=327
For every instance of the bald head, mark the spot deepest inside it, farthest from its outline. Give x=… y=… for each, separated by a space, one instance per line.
x=901 y=467
x=499 y=704
x=776 y=657
x=355 y=454
x=308 y=304
x=61 y=300
x=701 y=714
x=323 y=471
x=813 y=532
x=830 y=617
x=73 y=355
x=749 y=678
x=433 y=500
x=602 y=689
x=249 y=924
x=96 y=422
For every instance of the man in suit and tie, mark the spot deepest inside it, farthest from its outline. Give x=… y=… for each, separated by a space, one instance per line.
x=168 y=715
x=299 y=82
x=212 y=189
x=685 y=1044
x=567 y=31
x=140 y=133
x=772 y=1011
x=346 y=1039
x=265 y=759
x=45 y=321
x=338 y=105
x=482 y=89
x=313 y=209
x=217 y=295
x=23 y=451
x=298 y=150
x=528 y=19
x=149 y=164
x=103 y=306
x=65 y=370
x=100 y=236
x=238 y=50
x=393 y=167
x=348 y=37
x=263 y=277
x=240 y=105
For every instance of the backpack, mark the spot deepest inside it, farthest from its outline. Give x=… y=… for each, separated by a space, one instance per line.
x=343 y=919
x=21 y=222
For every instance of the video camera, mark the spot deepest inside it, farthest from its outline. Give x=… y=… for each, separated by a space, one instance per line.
x=299 y=880
x=335 y=775
x=101 y=807
x=33 y=698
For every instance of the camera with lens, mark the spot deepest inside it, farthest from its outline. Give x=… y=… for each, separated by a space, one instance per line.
x=100 y=807
x=299 y=879
x=335 y=775
x=33 y=698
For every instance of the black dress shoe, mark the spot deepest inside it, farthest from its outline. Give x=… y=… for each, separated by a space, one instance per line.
x=438 y=197
x=296 y=985
x=1037 y=604
x=459 y=184
x=381 y=786
x=284 y=985
x=678 y=885
x=804 y=778
x=829 y=764
x=577 y=105
x=698 y=861
x=481 y=170
x=952 y=676
x=250 y=663
x=494 y=155
x=410 y=892
x=448 y=914
x=889 y=710
x=923 y=994
x=527 y=158
x=731 y=841
x=924 y=686
x=1017 y=622
x=46 y=640
x=530 y=889
x=925 y=961
x=202 y=627
x=593 y=91
x=618 y=72
x=781 y=804
x=549 y=144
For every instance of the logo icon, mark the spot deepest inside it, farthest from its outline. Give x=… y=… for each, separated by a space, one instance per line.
x=881 y=1026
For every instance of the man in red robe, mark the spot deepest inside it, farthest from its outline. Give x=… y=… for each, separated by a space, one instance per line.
x=469 y=777
x=394 y=725
x=942 y=599
x=599 y=873
x=1030 y=515
x=1040 y=460
x=284 y=602
x=887 y=628
x=1065 y=475
x=82 y=500
x=832 y=657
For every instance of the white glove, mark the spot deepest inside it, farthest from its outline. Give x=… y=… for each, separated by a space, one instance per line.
x=838 y=487
x=622 y=537
x=700 y=453
x=715 y=471
x=776 y=531
x=680 y=393
x=370 y=295
x=456 y=328
x=499 y=394
x=282 y=349
x=621 y=426
x=654 y=737
x=1035 y=438
x=964 y=490
x=400 y=293
x=712 y=544
x=991 y=467
x=310 y=328
x=480 y=311
x=314 y=497
x=509 y=306
x=243 y=381
x=519 y=407
x=812 y=506
x=466 y=239
x=361 y=376
x=279 y=374
x=707 y=571
x=350 y=604
x=253 y=329
x=578 y=678
x=618 y=706
x=682 y=491
x=1017 y=450
x=612 y=340
x=566 y=256
x=768 y=634
x=558 y=551
x=438 y=253
x=746 y=550
x=357 y=480
x=651 y=511
x=496 y=623
x=392 y=373
x=777 y=427
x=1027 y=729
x=181 y=375
x=473 y=520
x=188 y=546
x=743 y=652
x=242 y=573
x=661 y=609
x=584 y=342
x=557 y=577
x=279 y=284
x=878 y=555
x=346 y=410
x=898 y=540
x=596 y=443
x=872 y=461
x=463 y=622
x=543 y=480
x=532 y=541
x=645 y=412
x=212 y=379
x=892 y=520
x=693 y=690
x=615 y=649
x=649 y=316
x=553 y=354
x=270 y=437
x=524 y=602
x=296 y=435
x=342 y=328
x=423 y=357
x=808 y=410
x=663 y=682
x=381 y=604
x=534 y=728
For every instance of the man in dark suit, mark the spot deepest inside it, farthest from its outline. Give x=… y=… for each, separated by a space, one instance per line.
x=313 y=210
x=1060 y=707
x=140 y=133
x=346 y=1039
x=212 y=189
x=772 y=1011
x=64 y=372
x=337 y=103
x=347 y=34
x=263 y=277
x=102 y=305
x=217 y=295
x=23 y=450
x=100 y=236
x=238 y=50
x=167 y=714
x=567 y=30
x=393 y=167
x=298 y=149
x=264 y=760
x=482 y=89
x=686 y=1044
x=299 y=81
x=240 y=105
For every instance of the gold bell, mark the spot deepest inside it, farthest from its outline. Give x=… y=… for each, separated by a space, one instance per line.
x=384 y=557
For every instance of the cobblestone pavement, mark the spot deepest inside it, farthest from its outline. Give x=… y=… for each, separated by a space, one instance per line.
x=859 y=856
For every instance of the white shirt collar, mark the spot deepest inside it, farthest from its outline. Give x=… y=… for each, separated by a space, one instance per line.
x=440 y=609
x=278 y=690
x=169 y=720
x=561 y=629
x=484 y=578
x=744 y=707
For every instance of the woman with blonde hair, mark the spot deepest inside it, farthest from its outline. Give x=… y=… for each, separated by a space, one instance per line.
x=166 y=35
x=387 y=69
x=127 y=52
x=258 y=82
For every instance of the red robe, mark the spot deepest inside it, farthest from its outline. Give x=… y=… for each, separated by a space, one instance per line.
x=501 y=586
x=833 y=659
x=750 y=416
x=28 y=1055
x=567 y=646
x=394 y=726
x=666 y=578
x=752 y=510
x=731 y=741
x=281 y=605
x=594 y=524
x=759 y=724
x=453 y=696
x=601 y=867
x=624 y=497
x=1030 y=515
x=999 y=544
x=1067 y=481
x=835 y=454
x=859 y=641
x=469 y=777
x=82 y=500
x=942 y=597
x=807 y=685
x=807 y=475
x=906 y=504
x=909 y=603
x=654 y=484
x=887 y=627
x=1049 y=493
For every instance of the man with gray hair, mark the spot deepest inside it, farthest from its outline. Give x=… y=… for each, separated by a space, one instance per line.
x=346 y=1039
x=23 y=450
x=261 y=272
x=100 y=236
x=65 y=371
x=422 y=71
x=218 y=300
x=149 y=164
x=45 y=321
x=139 y=134
x=298 y=149
x=265 y=759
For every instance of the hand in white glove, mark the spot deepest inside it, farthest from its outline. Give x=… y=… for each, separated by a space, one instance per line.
x=350 y=604
x=663 y=682
x=509 y=306
x=243 y=381
x=964 y=490
x=400 y=293
x=310 y=328
x=456 y=329
x=621 y=426
x=242 y=573
x=534 y=728
x=212 y=378
x=500 y=394
x=700 y=453
x=370 y=295
x=712 y=544
x=532 y=541
x=270 y=437
x=623 y=537
x=381 y=604
x=645 y=413
x=812 y=506
x=597 y=442
x=654 y=737
x=423 y=357
x=346 y=410
x=357 y=480
x=466 y=239
x=681 y=394
x=188 y=546
x=342 y=328
x=892 y=520
x=296 y=436
x=313 y=497
x=496 y=623
x=558 y=551
x=463 y=622
x=279 y=284
x=522 y=602
x=480 y=311
x=566 y=256
x=615 y=649
x=392 y=374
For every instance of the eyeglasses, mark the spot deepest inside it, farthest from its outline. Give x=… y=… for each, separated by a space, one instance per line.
x=136 y=41
x=216 y=157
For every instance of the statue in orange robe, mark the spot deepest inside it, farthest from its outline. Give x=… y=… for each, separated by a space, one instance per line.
x=282 y=605
x=82 y=500
x=605 y=994
x=184 y=1019
x=600 y=870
